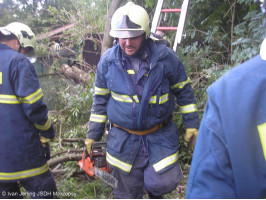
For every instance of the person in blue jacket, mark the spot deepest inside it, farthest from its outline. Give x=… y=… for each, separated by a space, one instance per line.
x=25 y=127
x=229 y=159
x=135 y=88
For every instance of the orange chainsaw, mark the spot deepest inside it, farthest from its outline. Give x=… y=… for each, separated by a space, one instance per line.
x=95 y=164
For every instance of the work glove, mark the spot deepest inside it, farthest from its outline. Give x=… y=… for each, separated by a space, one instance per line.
x=46 y=146
x=88 y=143
x=191 y=136
x=44 y=141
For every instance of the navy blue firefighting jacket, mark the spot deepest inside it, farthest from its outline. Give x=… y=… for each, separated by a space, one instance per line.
x=23 y=118
x=229 y=160
x=116 y=99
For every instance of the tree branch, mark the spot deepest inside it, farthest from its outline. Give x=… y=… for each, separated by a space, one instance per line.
x=74 y=140
x=107 y=39
x=232 y=26
x=67 y=151
x=72 y=157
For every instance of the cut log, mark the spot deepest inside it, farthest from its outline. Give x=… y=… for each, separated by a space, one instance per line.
x=76 y=74
x=71 y=157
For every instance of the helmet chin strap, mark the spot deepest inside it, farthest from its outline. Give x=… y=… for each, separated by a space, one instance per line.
x=20 y=48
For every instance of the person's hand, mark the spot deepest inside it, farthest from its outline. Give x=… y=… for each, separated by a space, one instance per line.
x=44 y=141
x=46 y=147
x=88 y=143
x=191 y=136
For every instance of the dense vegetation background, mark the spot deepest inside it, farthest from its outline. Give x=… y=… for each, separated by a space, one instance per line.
x=220 y=34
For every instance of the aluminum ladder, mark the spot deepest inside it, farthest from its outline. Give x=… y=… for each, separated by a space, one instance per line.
x=181 y=22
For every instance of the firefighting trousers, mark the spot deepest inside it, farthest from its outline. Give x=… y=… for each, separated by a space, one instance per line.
x=39 y=187
x=143 y=176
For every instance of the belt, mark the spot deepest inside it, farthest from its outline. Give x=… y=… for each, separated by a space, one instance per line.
x=141 y=132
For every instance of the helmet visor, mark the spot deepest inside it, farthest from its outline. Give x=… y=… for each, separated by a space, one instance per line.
x=4 y=31
x=126 y=33
x=125 y=28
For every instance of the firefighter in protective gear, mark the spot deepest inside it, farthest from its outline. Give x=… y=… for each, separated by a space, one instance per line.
x=229 y=160
x=135 y=88
x=25 y=127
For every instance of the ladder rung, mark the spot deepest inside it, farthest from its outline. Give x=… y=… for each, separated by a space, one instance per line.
x=165 y=28
x=171 y=10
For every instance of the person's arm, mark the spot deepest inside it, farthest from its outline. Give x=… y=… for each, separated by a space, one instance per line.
x=210 y=175
x=27 y=89
x=180 y=84
x=98 y=117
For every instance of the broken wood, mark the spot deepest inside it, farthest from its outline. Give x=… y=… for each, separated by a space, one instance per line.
x=67 y=151
x=74 y=140
x=76 y=74
x=59 y=171
x=71 y=157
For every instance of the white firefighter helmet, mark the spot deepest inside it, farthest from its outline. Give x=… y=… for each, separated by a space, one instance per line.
x=130 y=21
x=23 y=33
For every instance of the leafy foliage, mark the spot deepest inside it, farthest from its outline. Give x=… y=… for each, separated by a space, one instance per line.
x=219 y=35
x=71 y=188
x=250 y=34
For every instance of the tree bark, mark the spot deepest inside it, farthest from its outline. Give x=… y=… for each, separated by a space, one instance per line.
x=72 y=157
x=232 y=26
x=107 y=39
x=67 y=151
x=76 y=74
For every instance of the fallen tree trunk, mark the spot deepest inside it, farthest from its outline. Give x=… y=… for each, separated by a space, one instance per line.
x=71 y=157
x=76 y=74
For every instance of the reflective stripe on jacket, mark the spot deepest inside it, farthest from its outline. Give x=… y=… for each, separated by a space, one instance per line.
x=116 y=99
x=23 y=118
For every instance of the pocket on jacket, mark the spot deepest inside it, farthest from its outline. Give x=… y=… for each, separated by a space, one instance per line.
x=116 y=139
x=165 y=86
x=167 y=136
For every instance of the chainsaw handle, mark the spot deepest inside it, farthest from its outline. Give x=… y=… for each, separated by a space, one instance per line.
x=98 y=149
x=98 y=145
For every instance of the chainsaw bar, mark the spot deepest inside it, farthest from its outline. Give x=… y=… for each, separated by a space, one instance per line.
x=105 y=177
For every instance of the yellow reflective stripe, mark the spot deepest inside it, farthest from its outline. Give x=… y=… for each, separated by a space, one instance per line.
x=164 y=98
x=98 y=118
x=1 y=78
x=188 y=108
x=101 y=91
x=135 y=97
x=130 y=71
x=33 y=97
x=262 y=133
x=12 y=99
x=181 y=85
x=118 y=163
x=124 y=98
x=44 y=127
x=153 y=99
x=9 y=99
x=165 y=162
x=24 y=174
